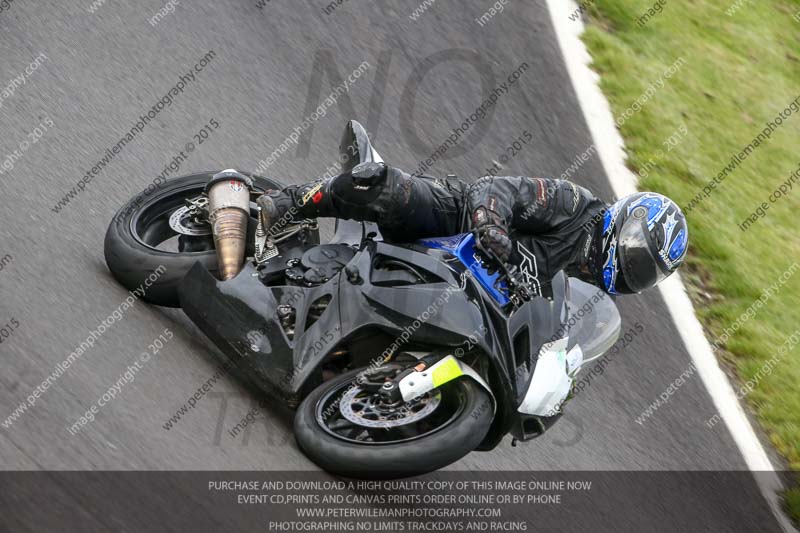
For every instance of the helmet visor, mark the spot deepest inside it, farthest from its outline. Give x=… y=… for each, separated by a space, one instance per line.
x=639 y=263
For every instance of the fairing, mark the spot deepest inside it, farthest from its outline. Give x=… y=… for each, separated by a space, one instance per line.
x=457 y=303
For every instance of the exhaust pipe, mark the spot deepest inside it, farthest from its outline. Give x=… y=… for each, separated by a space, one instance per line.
x=229 y=210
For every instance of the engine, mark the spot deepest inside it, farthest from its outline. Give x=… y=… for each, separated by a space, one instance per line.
x=318 y=264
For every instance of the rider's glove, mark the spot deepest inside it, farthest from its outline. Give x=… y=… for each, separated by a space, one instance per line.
x=491 y=234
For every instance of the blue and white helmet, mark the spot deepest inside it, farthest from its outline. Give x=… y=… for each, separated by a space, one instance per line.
x=642 y=240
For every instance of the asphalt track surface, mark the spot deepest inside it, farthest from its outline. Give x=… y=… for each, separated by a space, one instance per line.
x=104 y=70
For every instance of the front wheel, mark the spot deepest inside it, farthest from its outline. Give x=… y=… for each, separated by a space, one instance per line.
x=351 y=432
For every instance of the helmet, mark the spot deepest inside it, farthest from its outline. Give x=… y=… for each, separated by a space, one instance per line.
x=642 y=239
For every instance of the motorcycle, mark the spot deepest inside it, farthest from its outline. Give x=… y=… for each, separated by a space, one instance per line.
x=399 y=358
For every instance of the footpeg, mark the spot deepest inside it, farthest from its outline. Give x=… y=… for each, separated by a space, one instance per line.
x=265 y=247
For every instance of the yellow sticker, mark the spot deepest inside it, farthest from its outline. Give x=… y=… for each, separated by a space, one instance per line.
x=446 y=370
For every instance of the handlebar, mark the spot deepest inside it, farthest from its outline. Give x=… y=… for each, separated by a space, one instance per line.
x=518 y=288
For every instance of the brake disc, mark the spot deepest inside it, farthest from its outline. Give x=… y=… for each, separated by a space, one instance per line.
x=372 y=414
x=181 y=221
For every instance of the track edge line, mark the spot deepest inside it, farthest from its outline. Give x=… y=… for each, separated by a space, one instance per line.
x=610 y=147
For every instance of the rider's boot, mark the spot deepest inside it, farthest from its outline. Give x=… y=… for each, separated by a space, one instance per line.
x=398 y=202
x=359 y=194
x=280 y=208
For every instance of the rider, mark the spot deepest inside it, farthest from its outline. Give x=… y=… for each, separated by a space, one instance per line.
x=543 y=225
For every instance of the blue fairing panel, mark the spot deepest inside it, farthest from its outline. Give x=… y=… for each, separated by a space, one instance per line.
x=448 y=244
x=463 y=247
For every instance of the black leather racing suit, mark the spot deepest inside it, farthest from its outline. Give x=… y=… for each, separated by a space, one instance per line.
x=550 y=222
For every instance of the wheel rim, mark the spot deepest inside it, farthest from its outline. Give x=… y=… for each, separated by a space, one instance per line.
x=150 y=225
x=354 y=415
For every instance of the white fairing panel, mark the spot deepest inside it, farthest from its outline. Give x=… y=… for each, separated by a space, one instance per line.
x=551 y=382
x=574 y=360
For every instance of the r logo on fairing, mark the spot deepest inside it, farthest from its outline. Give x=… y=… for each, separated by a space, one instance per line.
x=529 y=269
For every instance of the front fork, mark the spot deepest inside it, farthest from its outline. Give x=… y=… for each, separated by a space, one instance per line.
x=424 y=377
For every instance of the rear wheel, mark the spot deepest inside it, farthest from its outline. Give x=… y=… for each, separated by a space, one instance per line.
x=154 y=240
x=348 y=431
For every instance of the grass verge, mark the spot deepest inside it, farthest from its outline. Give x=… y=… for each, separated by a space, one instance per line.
x=692 y=87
